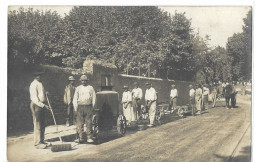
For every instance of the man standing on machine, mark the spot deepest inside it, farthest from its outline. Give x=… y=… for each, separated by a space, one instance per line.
x=37 y=96
x=84 y=102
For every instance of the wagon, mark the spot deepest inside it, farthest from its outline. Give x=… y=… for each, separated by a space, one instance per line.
x=106 y=114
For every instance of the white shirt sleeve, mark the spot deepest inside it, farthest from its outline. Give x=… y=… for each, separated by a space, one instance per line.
x=34 y=95
x=93 y=97
x=129 y=97
x=146 y=95
x=75 y=99
x=141 y=93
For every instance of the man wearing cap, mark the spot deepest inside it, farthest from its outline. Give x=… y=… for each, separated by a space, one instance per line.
x=173 y=98
x=68 y=98
x=37 y=96
x=137 y=94
x=150 y=101
x=205 y=97
x=127 y=105
x=84 y=101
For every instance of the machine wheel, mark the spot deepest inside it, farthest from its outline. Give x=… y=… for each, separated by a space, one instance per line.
x=121 y=125
x=181 y=112
x=95 y=128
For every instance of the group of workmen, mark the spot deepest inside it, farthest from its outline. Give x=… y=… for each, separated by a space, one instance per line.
x=81 y=100
x=199 y=99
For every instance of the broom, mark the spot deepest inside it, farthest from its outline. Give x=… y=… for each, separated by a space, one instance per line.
x=58 y=147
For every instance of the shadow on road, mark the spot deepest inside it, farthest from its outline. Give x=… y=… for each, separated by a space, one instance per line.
x=244 y=156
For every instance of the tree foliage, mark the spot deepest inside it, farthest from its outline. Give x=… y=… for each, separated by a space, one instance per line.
x=239 y=49
x=138 y=40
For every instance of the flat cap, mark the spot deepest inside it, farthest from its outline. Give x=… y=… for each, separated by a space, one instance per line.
x=38 y=73
x=84 y=77
x=71 y=78
x=147 y=83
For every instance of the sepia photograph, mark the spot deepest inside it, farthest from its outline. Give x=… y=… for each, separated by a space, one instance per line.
x=129 y=83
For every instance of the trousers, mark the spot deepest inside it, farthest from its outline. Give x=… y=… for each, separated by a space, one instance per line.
x=205 y=102
x=70 y=115
x=128 y=112
x=152 y=111
x=38 y=115
x=198 y=103
x=173 y=104
x=136 y=107
x=84 y=116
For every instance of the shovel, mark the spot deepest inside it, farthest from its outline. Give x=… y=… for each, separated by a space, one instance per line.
x=58 y=147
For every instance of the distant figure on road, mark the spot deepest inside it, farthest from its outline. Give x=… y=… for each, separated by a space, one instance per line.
x=68 y=98
x=127 y=105
x=229 y=92
x=84 y=101
x=37 y=96
x=198 y=98
x=192 y=99
x=137 y=94
x=214 y=93
x=150 y=101
x=205 y=97
x=173 y=98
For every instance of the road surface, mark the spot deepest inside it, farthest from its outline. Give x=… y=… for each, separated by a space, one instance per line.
x=215 y=135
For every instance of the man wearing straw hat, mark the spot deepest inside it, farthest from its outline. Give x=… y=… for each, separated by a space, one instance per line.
x=127 y=105
x=84 y=101
x=150 y=101
x=37 y=96
x=68 y=97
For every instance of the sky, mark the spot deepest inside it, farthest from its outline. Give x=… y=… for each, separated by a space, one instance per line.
x=217 y=22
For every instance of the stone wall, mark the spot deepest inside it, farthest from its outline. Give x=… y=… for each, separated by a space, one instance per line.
x=55 y=79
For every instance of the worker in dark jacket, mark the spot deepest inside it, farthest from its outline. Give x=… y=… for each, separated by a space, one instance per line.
x=68 y=98
x=229 y=93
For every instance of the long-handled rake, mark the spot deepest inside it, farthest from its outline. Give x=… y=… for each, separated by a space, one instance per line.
x=58 y=147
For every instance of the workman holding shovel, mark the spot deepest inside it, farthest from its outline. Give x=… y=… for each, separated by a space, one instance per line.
x=84 y=102
x=37 y=106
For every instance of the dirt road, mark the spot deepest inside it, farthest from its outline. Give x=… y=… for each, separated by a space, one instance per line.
x=213 y=136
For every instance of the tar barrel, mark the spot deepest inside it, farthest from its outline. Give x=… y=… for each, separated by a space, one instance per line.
x=107 y=109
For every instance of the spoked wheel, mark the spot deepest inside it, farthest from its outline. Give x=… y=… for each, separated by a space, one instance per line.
x=95 y=127
x=181 y=112
x=121 y=125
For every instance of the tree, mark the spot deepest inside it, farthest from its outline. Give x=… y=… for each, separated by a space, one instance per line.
x=239 y=49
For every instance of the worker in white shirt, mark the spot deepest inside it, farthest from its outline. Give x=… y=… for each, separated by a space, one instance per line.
x=192 y=98
x=173 y=98
x=198 y=98
x=127 y=105
x=84 y=101
x=205 y=97
x=37 y=96
x=150 y=101
x=137 y=95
